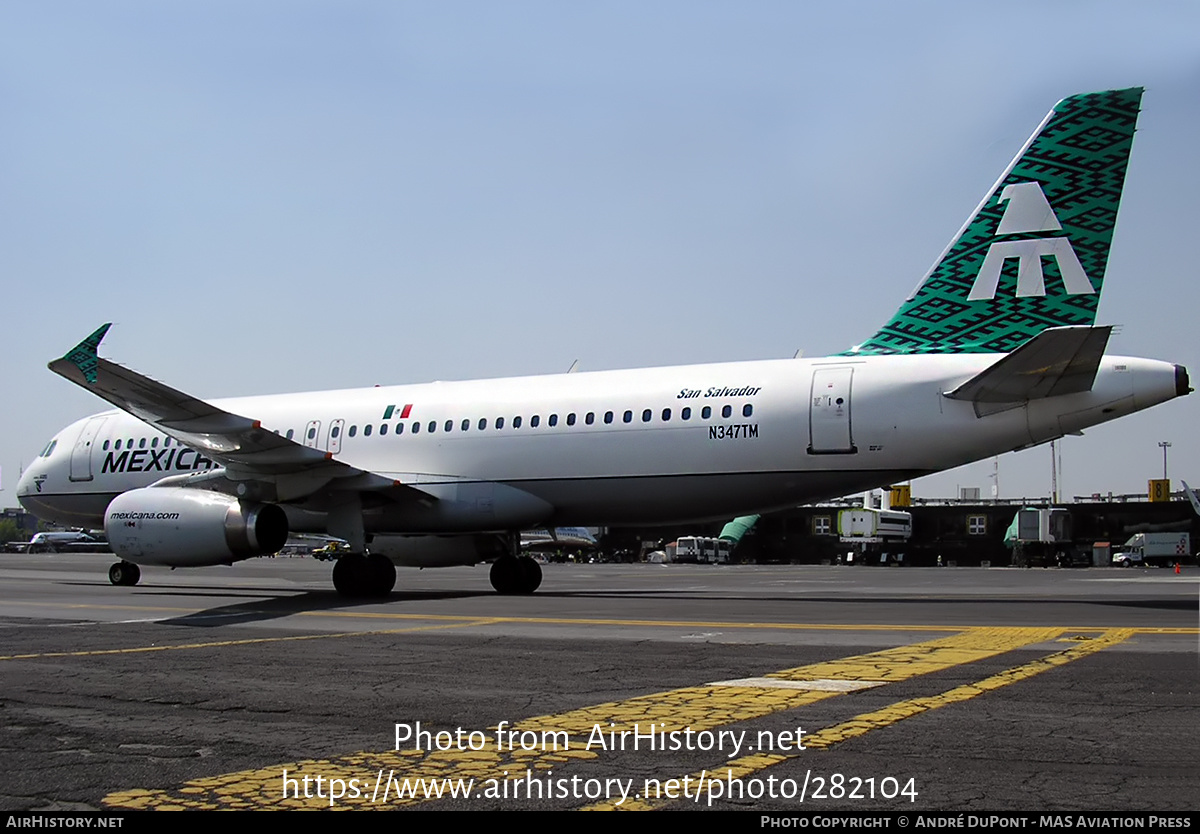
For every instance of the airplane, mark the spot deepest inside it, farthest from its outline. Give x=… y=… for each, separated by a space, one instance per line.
x=995 y=350
x=550 y=539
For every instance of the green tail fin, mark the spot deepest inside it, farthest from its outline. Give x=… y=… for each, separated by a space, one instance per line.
x=1033 y=254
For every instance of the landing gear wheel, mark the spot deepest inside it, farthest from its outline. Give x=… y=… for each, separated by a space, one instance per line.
x=531 y=573
x=515 y=575
x=382 y=575
x=356 y=575
x=124 y=573
x=348 y=573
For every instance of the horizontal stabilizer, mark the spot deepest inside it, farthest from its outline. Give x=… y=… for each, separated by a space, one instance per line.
x=1057 y=361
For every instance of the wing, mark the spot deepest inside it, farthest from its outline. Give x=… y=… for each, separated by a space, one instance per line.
x=239 y=443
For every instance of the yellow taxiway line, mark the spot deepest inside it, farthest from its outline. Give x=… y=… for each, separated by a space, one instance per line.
x=592 y=732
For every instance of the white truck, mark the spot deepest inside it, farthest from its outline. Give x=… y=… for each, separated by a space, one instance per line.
x=871 y=525
x=700 y=549
x=1153 y=548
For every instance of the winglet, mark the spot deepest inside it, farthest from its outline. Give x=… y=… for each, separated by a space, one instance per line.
x=84 y=355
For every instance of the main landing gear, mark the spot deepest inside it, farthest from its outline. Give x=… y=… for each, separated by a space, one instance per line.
x=364 y=575
x=516 y=575
x=124 y=573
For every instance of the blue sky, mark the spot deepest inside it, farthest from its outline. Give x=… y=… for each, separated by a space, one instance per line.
x=275 y=197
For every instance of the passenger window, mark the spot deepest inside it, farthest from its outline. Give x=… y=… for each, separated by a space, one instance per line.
x=313 y=432
x=449 y=425
x=399 y=429
x=499 y=422
x=571 y=419
x=466 y=425
x=608 y=415
x=154 y=443
x=337 y=430
x=533 y=421
x=646 y=415
x=666 y=415
x=142 y=443
x=353 y=431
x=747 y=410
x=685 y=414
x=382 y=429
x=705 y=413
x=726 y=411
x=167 y=442
x=432 y=426
x=482 y=423
x=516 y=422
x=627 y=416
x=416 y=428
x=118 y=448
x=590 y=418
x=292 y=433
x=106 y=445
x=553 y=421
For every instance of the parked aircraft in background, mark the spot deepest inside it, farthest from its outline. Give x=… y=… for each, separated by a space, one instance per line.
x=1191 y=496
x=549 y=539
x=996 y=350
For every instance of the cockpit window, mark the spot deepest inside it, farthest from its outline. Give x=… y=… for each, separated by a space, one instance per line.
x=49 y=448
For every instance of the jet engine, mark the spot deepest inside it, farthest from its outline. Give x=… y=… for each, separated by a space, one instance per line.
x=176 y=527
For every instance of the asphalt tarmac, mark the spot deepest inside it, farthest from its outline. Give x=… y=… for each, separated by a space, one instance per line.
x=639 y=687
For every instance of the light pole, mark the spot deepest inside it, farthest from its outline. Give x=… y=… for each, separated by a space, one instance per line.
x=1164 y=445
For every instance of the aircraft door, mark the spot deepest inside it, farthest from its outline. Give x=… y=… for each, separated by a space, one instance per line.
x=334 y=442
x=829 y=430
x=81 y=454
x=310 y=433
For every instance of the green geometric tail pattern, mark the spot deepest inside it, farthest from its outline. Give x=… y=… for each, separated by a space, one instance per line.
x=84 y=354
x=1078 y=159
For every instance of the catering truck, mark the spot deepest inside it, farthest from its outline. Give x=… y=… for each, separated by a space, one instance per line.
x=1153 y=548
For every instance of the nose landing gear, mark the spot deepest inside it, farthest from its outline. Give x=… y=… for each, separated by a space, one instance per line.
x=124 y=573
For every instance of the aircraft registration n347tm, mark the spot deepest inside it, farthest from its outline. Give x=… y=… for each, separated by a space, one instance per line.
x=996 y=350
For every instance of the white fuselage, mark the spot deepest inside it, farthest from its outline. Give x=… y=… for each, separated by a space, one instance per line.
x=757 y=436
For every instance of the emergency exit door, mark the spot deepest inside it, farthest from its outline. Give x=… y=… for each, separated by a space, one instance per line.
x=829 y=427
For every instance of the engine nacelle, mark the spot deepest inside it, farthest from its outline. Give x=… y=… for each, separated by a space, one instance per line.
x=192 y=528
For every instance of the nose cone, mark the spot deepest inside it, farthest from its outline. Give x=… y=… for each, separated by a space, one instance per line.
x=29 y=483
x=29 y=488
